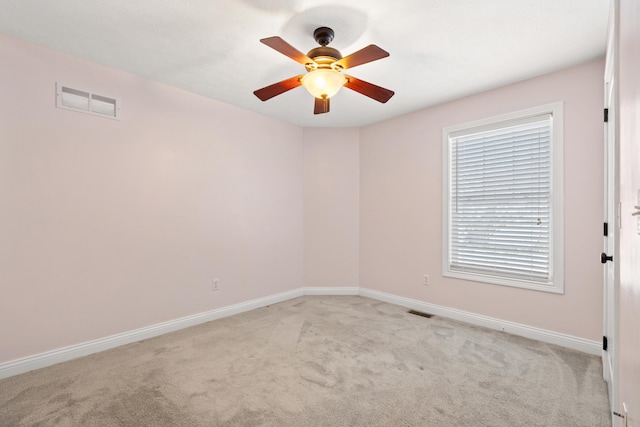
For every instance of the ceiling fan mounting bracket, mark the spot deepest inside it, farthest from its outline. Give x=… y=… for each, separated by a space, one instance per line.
x=323 y=35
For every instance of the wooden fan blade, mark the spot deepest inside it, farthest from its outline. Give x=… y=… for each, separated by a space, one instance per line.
x=270 y=91
x=321 y=106
x=378 y=93
x=367 y=54
x=286 y=49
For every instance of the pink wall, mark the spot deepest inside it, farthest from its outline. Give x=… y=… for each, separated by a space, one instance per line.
x=401 y=205
x=331 y=216
x=629 y=374
x=107 y=226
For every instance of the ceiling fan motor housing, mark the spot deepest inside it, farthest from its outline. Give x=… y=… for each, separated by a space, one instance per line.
x=323 y=56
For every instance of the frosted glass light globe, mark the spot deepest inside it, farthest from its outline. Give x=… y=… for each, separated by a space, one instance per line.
x=323 y=83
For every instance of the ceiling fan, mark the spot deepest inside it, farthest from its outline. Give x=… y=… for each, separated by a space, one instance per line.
x=324 y=67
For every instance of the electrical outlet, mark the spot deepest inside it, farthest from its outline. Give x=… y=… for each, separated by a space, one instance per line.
x=426 y=280
x=214 y=284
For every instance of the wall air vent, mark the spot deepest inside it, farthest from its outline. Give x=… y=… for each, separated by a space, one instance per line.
x=87 y=102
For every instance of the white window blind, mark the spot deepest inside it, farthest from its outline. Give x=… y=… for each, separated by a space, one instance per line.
x=501 y=202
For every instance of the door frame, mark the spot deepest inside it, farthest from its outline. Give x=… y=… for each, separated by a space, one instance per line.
x=611 y=270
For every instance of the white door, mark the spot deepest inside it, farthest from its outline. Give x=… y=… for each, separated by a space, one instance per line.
x=611 y=214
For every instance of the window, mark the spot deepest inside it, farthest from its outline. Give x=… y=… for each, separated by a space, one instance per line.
x=502 y=204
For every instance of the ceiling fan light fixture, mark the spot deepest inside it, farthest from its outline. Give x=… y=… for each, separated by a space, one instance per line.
x=323 y=82
x=324 y=67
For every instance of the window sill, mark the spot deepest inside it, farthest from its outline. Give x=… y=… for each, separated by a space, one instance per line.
x=551 y=287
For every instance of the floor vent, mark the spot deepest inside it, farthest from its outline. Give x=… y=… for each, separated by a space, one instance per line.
x=419 y=313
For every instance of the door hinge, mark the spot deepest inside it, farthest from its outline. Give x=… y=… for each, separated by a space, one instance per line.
x=605 y=343
x=606 y=229
x=606 y=115
x=624 y=415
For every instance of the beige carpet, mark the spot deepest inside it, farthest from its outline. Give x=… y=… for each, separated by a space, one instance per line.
x=317 y=361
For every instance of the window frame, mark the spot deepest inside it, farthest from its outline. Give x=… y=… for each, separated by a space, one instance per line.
x=556 y=241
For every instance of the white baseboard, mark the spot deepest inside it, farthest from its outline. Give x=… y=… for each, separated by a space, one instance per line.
x=551 y=337
x=42 y=360
x=331 y=290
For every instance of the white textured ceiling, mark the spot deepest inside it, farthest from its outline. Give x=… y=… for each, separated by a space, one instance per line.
x=439 y=49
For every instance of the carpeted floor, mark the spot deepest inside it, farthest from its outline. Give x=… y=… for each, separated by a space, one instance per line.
x=318 y=361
